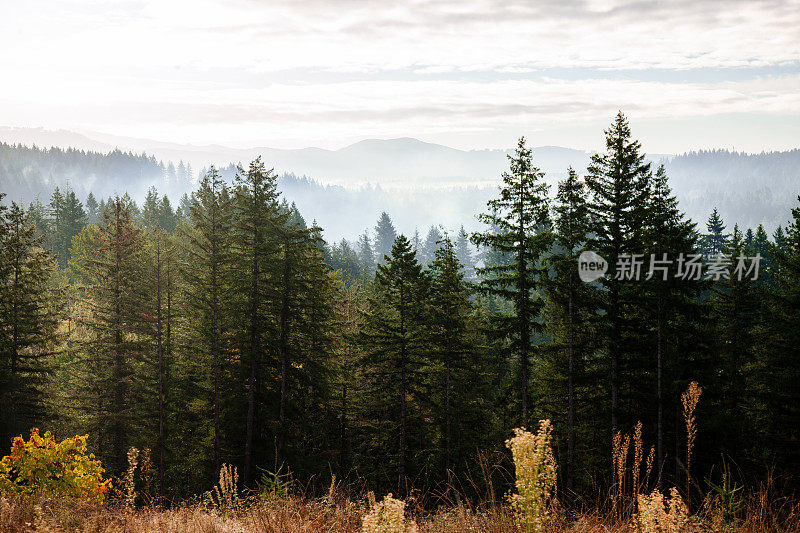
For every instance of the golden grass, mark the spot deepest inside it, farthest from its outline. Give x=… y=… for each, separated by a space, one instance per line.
x=296 y=515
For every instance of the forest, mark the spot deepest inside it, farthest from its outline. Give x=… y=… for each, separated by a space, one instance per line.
x=224 y=330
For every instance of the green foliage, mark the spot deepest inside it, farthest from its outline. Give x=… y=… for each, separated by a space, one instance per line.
x=519 y=233
x=728 y=494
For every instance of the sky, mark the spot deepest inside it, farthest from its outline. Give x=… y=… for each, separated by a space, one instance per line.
x=469 y=74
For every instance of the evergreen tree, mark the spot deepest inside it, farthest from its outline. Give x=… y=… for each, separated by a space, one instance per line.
x=673 y=301
x=385 y=235
x=393 y=357
x=92 y=210
x=208 y=289
x=256 y=222
x=521 y=218
x=366 y=256
x=27 y=321
x=735 y=313
x=716 y=240
x=55 y=226
x=167 y=217
x=464 y=254
x=113 y=348
x=431 y=244
x=451 y=343
x=572 y=305
x=778 y=350
x=150 y=210
x=345 y=259
x=619 y=183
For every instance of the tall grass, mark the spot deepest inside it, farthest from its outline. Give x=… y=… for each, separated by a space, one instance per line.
x=531 y=508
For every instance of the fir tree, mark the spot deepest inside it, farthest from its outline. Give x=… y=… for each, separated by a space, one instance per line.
x=778 y=361
x=366 y=256
x=619 y=183
x=256 y=220
x=521 y=218
x=385 y=235
x=92 y=210
x=716 y=240
x=674 y=306
x=114 y=348
x=572 y=304
x=464 y=254
x=209 y=285
x=451 y=344
x=393 y=354
x=28 y=324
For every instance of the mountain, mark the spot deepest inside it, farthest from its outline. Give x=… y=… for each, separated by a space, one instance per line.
x=390 y=162
x=418 y=183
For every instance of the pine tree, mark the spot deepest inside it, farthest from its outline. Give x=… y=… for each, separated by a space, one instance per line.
x=464 y=254
x=366 y=256
x=430 y=245
x=114 y=348
x=385 y=235
x=572 y=304
x=92 y=210
x=150 y=210
x=521 y=218
x=619 y=183
x=674 y=306
x=209 y=285
x=73 y=220
x=735 y=314
x=778 y=363
x=167 y=217
x=716 y=240
x=257 y=220
x=451 y=343
x=160 y=269
x=345 y=259
x=393 y=355
x=27 y=320
x=55 y=226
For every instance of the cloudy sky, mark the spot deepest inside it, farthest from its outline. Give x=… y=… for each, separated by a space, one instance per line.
x=466 y=73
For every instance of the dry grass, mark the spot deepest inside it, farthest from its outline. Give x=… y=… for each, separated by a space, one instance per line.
x=295 y=515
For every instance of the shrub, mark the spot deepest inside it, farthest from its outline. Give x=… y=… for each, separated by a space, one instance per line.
x=61 y=468
x=662 y=515
x=536 y=476
x=387 y=516
x=224 y=497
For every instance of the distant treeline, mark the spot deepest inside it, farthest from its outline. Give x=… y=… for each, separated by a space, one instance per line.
x=750 y=189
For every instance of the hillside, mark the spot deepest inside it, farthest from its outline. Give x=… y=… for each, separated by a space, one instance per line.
x=419 y=183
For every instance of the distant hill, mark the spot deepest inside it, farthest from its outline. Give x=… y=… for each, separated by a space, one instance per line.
x=30 y=172
x=418 y=183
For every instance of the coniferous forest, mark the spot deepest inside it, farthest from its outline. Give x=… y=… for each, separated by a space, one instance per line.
x=222 y=329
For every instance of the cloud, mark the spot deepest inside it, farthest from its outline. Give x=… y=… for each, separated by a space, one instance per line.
x=350 y=69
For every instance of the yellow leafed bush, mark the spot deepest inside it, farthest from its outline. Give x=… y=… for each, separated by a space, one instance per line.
x=61 y=468
x=535 y=467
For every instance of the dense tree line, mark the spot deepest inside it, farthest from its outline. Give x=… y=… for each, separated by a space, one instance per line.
x=227 y=331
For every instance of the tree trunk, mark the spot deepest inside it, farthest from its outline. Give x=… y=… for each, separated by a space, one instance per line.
x=401 y=482
x=660 y=422
x=160 y=348
x=284 y=347
x=255 y=350
x=216 y=335
x=571 y=393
